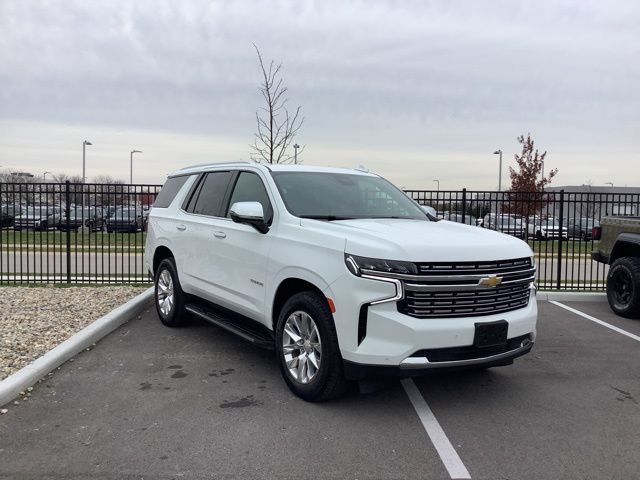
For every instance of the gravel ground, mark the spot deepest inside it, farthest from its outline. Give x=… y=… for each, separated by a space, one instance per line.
x=35 y=320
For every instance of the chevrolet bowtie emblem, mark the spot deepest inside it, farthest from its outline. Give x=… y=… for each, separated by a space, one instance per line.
x=490 y=281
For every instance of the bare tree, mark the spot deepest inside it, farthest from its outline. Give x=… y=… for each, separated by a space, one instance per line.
x=63 y=177
x=277 y=127
x=108 y=180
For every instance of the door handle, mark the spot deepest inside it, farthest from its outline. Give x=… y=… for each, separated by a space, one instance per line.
x=219 y=234
x=182 y=228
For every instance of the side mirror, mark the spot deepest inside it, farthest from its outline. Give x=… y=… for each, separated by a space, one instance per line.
x=250 y=213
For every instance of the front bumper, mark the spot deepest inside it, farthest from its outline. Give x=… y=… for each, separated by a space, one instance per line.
x=415 y=366
x=394 y=341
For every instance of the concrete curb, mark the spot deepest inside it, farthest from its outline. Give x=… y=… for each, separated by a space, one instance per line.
x=572 y=296
x=11 y=386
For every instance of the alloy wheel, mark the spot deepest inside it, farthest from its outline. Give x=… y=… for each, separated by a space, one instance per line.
x=302 y=347
x=165 y=296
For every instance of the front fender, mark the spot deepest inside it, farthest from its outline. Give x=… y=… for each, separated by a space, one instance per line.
x=294 y=272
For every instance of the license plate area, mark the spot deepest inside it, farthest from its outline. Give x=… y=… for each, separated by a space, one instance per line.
x=491 y=334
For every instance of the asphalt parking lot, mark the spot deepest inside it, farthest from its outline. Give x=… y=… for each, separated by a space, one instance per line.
x=153 y=402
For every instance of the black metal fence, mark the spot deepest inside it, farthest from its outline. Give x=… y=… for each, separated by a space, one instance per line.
x=73 y=233
x=557 y=225
x=95 y=233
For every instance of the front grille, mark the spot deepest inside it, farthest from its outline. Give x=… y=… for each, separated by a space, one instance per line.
x=457 y=289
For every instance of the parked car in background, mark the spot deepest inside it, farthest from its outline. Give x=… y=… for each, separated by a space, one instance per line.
x=104 y=211
x=8 y=213
x=581 y=227
x=81 y=217
x=39 y=217
x=504 y=223
x=545 y=229
x=125 y=219
x=457 y=217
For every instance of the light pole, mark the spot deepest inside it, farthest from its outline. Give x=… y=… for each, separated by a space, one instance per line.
x=437 y=182
x=295 y=152
x=131 y=165
x=44 y=177
x=499 y=152
x=542 y=169
x=84 y=146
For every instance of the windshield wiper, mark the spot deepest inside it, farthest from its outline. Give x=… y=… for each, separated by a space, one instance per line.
x=329 y=218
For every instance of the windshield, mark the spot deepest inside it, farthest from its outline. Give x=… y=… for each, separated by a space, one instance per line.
x=343 y=196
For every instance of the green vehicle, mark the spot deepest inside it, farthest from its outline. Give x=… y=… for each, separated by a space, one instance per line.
x=620 y=248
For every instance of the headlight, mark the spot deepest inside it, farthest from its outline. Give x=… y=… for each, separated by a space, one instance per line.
x=356 y=265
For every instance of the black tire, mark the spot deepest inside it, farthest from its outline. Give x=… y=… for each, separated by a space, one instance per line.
x=328 y=382
x=176 y=316
x=623 y=287
x=539 y=235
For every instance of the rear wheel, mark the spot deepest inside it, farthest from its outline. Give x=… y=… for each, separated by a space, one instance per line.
x=169 y=298
x=623 y=287
x=307 y=347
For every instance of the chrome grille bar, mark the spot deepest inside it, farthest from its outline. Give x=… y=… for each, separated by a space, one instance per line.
x=461 y=289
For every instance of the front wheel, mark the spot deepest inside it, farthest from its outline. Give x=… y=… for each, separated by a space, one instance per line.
x=169 y=298
x=307 y=348
x=623 y=287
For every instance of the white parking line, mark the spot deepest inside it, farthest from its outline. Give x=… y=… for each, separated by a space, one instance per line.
x=596 y=320
x=447 y=453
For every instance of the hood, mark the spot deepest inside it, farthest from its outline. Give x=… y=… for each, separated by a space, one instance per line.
x=421 y=241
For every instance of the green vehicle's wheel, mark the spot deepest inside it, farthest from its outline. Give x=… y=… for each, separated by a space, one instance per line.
x=623 y=287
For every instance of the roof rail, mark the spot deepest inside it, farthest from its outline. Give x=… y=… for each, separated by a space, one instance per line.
x=211 y=164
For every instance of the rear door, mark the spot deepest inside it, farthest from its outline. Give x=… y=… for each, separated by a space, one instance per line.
x=201 y=222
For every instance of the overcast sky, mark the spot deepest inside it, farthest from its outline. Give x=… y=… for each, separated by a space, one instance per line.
x=415 y=91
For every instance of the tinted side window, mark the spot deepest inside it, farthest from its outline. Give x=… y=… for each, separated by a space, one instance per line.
x=190 y=200
x=212 y=193
x=169 y=191
x=249 y=188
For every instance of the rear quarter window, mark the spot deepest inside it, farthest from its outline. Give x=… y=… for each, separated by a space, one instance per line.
x=169 y=191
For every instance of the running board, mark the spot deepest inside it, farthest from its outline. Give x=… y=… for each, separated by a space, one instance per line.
x=244 y=328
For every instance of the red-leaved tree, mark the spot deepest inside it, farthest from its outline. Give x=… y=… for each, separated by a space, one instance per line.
x=526 y=195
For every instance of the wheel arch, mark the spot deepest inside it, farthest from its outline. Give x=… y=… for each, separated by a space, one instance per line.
x=161 y=252
x=286 y=289
x=626 y=245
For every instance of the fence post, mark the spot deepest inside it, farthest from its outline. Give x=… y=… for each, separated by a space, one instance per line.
x=560 y=222
x=464 y=205
x=67 y=208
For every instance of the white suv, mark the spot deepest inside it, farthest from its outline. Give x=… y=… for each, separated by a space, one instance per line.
x=337 y=270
